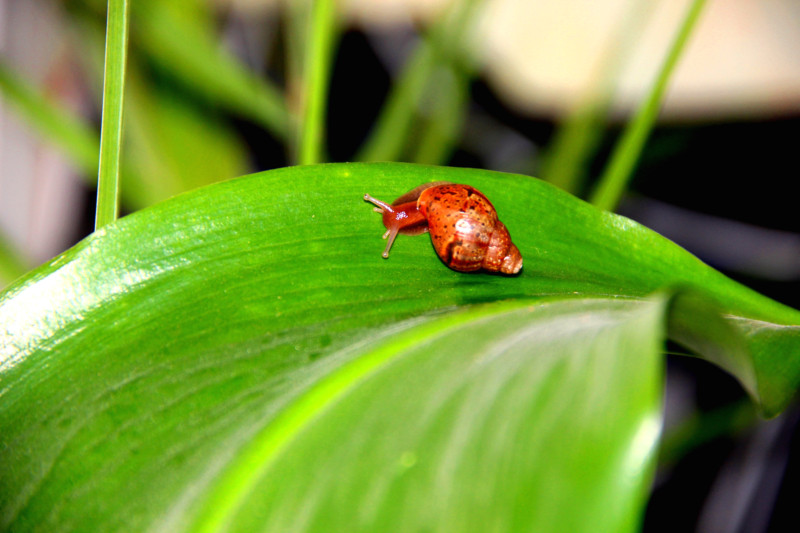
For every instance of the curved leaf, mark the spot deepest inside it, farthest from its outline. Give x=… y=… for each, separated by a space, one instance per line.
x=400 y=430
x=479 y=421
x=290 y=235
x=148 y=358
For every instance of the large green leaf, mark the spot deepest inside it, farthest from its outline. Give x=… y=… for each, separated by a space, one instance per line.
x=190 y=353
x=489 y=420
x=471 y=422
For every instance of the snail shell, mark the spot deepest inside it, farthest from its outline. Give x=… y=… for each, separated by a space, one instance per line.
x=463 y=224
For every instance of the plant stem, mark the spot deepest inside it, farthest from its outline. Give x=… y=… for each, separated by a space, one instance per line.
x=318 y=59
x=618 y=171
x=111 y=125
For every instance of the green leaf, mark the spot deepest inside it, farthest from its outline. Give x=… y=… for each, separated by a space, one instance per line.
x=515 y=409
x=473 y=422
x=193 y=352
x=311 y=220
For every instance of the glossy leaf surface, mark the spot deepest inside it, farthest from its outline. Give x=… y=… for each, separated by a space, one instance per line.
x=504 y=418
x=163 y=356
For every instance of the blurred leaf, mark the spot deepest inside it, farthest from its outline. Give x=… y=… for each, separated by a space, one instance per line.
x=78 y=140
x=442 y=108
x=568 y=156
x=12 y=262
x=439 y=49
x=390 y=132
x=442 y=117
x=702 y=427
x=172 y=145
x=194 y=352
x=192 y=53
x=175 y=145
x=295 y=17
x=116 y=53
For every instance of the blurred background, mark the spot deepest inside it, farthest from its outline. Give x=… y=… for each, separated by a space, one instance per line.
x=539 y=87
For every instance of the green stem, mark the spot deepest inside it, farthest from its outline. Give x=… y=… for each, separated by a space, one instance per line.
x=111 y=124
x=618 y=171
x=318 y=62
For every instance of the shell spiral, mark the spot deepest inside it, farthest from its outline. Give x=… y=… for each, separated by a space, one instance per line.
x=465 y=230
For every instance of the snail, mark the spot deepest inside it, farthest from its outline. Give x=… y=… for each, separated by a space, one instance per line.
x=463 y=224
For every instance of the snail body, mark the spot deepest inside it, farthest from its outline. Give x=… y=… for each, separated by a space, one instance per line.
x=464 y=228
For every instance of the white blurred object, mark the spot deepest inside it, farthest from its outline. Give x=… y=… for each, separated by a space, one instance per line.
x=743 y=59
x=541 y=55
x=369 y=12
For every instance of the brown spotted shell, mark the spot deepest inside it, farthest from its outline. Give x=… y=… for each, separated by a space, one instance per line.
x=465 y=230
